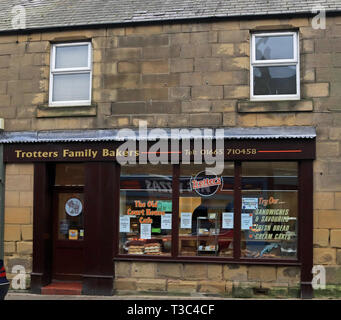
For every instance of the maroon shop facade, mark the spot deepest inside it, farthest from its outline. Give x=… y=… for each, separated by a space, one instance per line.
x=91 y=210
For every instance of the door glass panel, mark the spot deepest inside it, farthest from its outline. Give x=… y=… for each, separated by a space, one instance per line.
x=70 y=216
x=70 y=174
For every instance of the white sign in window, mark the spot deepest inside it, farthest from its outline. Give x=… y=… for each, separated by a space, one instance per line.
x=246 y=221
x=145 y=231
x=125 y=223
x=250 y=203
x=186 y=220
x=166 y=221
x=227 y=220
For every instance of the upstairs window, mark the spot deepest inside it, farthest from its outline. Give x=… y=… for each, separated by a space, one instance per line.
x=275 y=70
x=70 y=74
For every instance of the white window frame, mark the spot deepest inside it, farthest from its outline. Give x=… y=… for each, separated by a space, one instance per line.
x=277 y=62
x=78 y=70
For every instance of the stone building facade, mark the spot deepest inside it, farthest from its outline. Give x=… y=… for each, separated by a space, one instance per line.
x=190 y=74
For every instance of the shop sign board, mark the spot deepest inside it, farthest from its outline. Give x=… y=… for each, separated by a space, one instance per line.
x=108 y=151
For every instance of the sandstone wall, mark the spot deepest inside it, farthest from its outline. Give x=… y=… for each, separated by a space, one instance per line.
x=18 y=243
x=201 y=278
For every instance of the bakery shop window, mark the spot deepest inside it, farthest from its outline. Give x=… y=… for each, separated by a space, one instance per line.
x=145 y=209
x=269 y=210
x=206 y=213
x=209 y=225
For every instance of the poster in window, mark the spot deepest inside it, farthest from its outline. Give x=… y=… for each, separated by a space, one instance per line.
x=166 y=221
x=124 y=223
x=250 y=203
x=64 y=227
x=164 y=206
x=186 y=220
x=145 y=231
x=246 y=221
x=73 y=234
x=227 y=222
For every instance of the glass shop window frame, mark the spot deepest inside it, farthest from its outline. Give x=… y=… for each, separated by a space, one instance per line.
x=149 y=205
x=236 y=258
x=270 y=182
x=73 y=70
x=275 y=63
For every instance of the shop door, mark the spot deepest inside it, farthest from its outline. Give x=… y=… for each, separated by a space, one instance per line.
x=68 y=235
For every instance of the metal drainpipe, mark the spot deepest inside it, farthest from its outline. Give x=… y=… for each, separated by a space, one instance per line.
x=2 y=202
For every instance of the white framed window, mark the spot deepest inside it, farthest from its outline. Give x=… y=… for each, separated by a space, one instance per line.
x=70 y=74
x=275 y=66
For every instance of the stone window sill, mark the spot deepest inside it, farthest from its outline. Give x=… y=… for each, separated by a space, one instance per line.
x=275 y=106
x=74 y=111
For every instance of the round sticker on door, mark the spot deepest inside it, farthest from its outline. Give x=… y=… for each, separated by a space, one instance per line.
x=73 y=207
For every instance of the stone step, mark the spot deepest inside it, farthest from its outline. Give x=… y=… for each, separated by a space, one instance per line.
x=62 y=288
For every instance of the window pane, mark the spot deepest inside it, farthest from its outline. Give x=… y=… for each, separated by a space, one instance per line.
x=269 y=176
x=72 y=56
x=269 y=210
x=146 y=210
x=274 y=80
x=70 y=174
x=70 y=216
x=274 y=47
x=206 y=213
x=269 y=169
x=71 y=87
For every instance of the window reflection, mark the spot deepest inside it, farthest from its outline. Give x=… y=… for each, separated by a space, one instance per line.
x=274 y=80
x=274 y=47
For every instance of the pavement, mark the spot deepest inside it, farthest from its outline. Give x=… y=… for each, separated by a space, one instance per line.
x=30 y=296
x=12 y=295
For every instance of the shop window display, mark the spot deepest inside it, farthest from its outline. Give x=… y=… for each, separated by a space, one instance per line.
x=267 y=193
x=145 y=210
x=206 y=213
x=269 y=210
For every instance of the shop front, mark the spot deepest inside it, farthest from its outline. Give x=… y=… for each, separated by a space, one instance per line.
x=92 y=209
